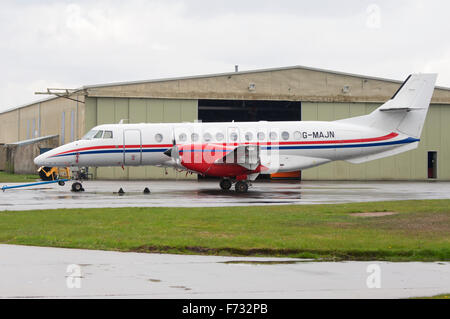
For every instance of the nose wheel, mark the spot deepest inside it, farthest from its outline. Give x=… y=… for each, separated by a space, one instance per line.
x=77 y=187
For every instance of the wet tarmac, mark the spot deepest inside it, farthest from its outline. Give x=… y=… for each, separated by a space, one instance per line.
x=39 y=272
x=208 y=194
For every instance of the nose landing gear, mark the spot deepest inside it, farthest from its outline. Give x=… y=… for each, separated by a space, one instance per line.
x=78 y=174
x=77 y=187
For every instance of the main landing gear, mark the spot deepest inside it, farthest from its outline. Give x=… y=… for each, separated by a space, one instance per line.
x=225 y=184
x=240 y=186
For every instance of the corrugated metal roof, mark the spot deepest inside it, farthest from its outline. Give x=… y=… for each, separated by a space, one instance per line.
x=249 y=72
x=33 y=140
x=29 y=104
x=86 y=87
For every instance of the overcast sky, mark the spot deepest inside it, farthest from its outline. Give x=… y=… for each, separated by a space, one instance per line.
x=69 y=44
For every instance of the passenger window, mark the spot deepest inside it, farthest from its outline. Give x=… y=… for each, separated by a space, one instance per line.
x=207 y=137
x=234 y=137
x=273 y=136
x=182 y=137
x=285 y=135
x=248 y=136
x=158 y=138
x=108 y=134
x=297 y=135
x=219 y=136
x=99 y=134
x=194 y=137
x=261 y=136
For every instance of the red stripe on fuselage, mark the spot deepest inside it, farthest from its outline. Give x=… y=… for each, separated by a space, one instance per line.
x=361 y=140
x=103 y=147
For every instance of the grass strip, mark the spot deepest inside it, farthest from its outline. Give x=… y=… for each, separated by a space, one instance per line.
x=417 y=231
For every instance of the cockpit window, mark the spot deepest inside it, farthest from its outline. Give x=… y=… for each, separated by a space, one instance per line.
x=108 y=134
x=99 y=134
x=89 y=135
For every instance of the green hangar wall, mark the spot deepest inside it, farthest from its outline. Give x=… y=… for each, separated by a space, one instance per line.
x=103 y=110
x=412 y=165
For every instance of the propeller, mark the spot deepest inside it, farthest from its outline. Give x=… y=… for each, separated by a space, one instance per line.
x=173 y=152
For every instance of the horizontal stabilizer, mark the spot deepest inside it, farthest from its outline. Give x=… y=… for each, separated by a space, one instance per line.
x=400 y=109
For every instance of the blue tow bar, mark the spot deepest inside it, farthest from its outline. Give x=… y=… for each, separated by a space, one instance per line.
x=34 y=184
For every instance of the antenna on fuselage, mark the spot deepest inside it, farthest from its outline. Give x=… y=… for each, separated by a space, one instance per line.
x=121 y=121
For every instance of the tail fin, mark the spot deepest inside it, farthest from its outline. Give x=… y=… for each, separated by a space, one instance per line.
x=406 y=111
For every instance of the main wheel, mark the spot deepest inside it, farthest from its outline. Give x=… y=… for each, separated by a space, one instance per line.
x=241 y=187
x=77 y=187
x=225 y=184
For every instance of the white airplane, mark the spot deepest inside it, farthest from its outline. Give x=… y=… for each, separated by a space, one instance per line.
x=239 y=152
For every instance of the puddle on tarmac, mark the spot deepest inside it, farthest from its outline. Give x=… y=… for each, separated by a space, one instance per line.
x=66 y=197
x=181 y=287
x=154 y=280
x=266 y=262
x=251 y=194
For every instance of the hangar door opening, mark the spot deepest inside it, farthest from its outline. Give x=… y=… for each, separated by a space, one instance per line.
x=251 y=111
x=248 y=110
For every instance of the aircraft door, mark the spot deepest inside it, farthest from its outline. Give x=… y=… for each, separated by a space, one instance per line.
x=132 y=147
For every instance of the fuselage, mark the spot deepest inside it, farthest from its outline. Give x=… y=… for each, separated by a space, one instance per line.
x=284 y=146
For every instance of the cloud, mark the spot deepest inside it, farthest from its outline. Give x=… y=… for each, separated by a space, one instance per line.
x=75 y=43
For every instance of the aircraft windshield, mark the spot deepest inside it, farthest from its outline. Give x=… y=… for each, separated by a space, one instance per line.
x=89 y=135
x=97 y=134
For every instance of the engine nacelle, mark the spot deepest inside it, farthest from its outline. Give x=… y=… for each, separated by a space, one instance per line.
x=220 y=159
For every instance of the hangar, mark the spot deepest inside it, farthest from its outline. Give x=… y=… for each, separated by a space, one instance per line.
x=290 y=93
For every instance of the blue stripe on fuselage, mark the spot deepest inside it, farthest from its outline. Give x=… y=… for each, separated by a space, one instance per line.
x=294 y=147
x=120 y=151
x=297 y=147
x=405 y=141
